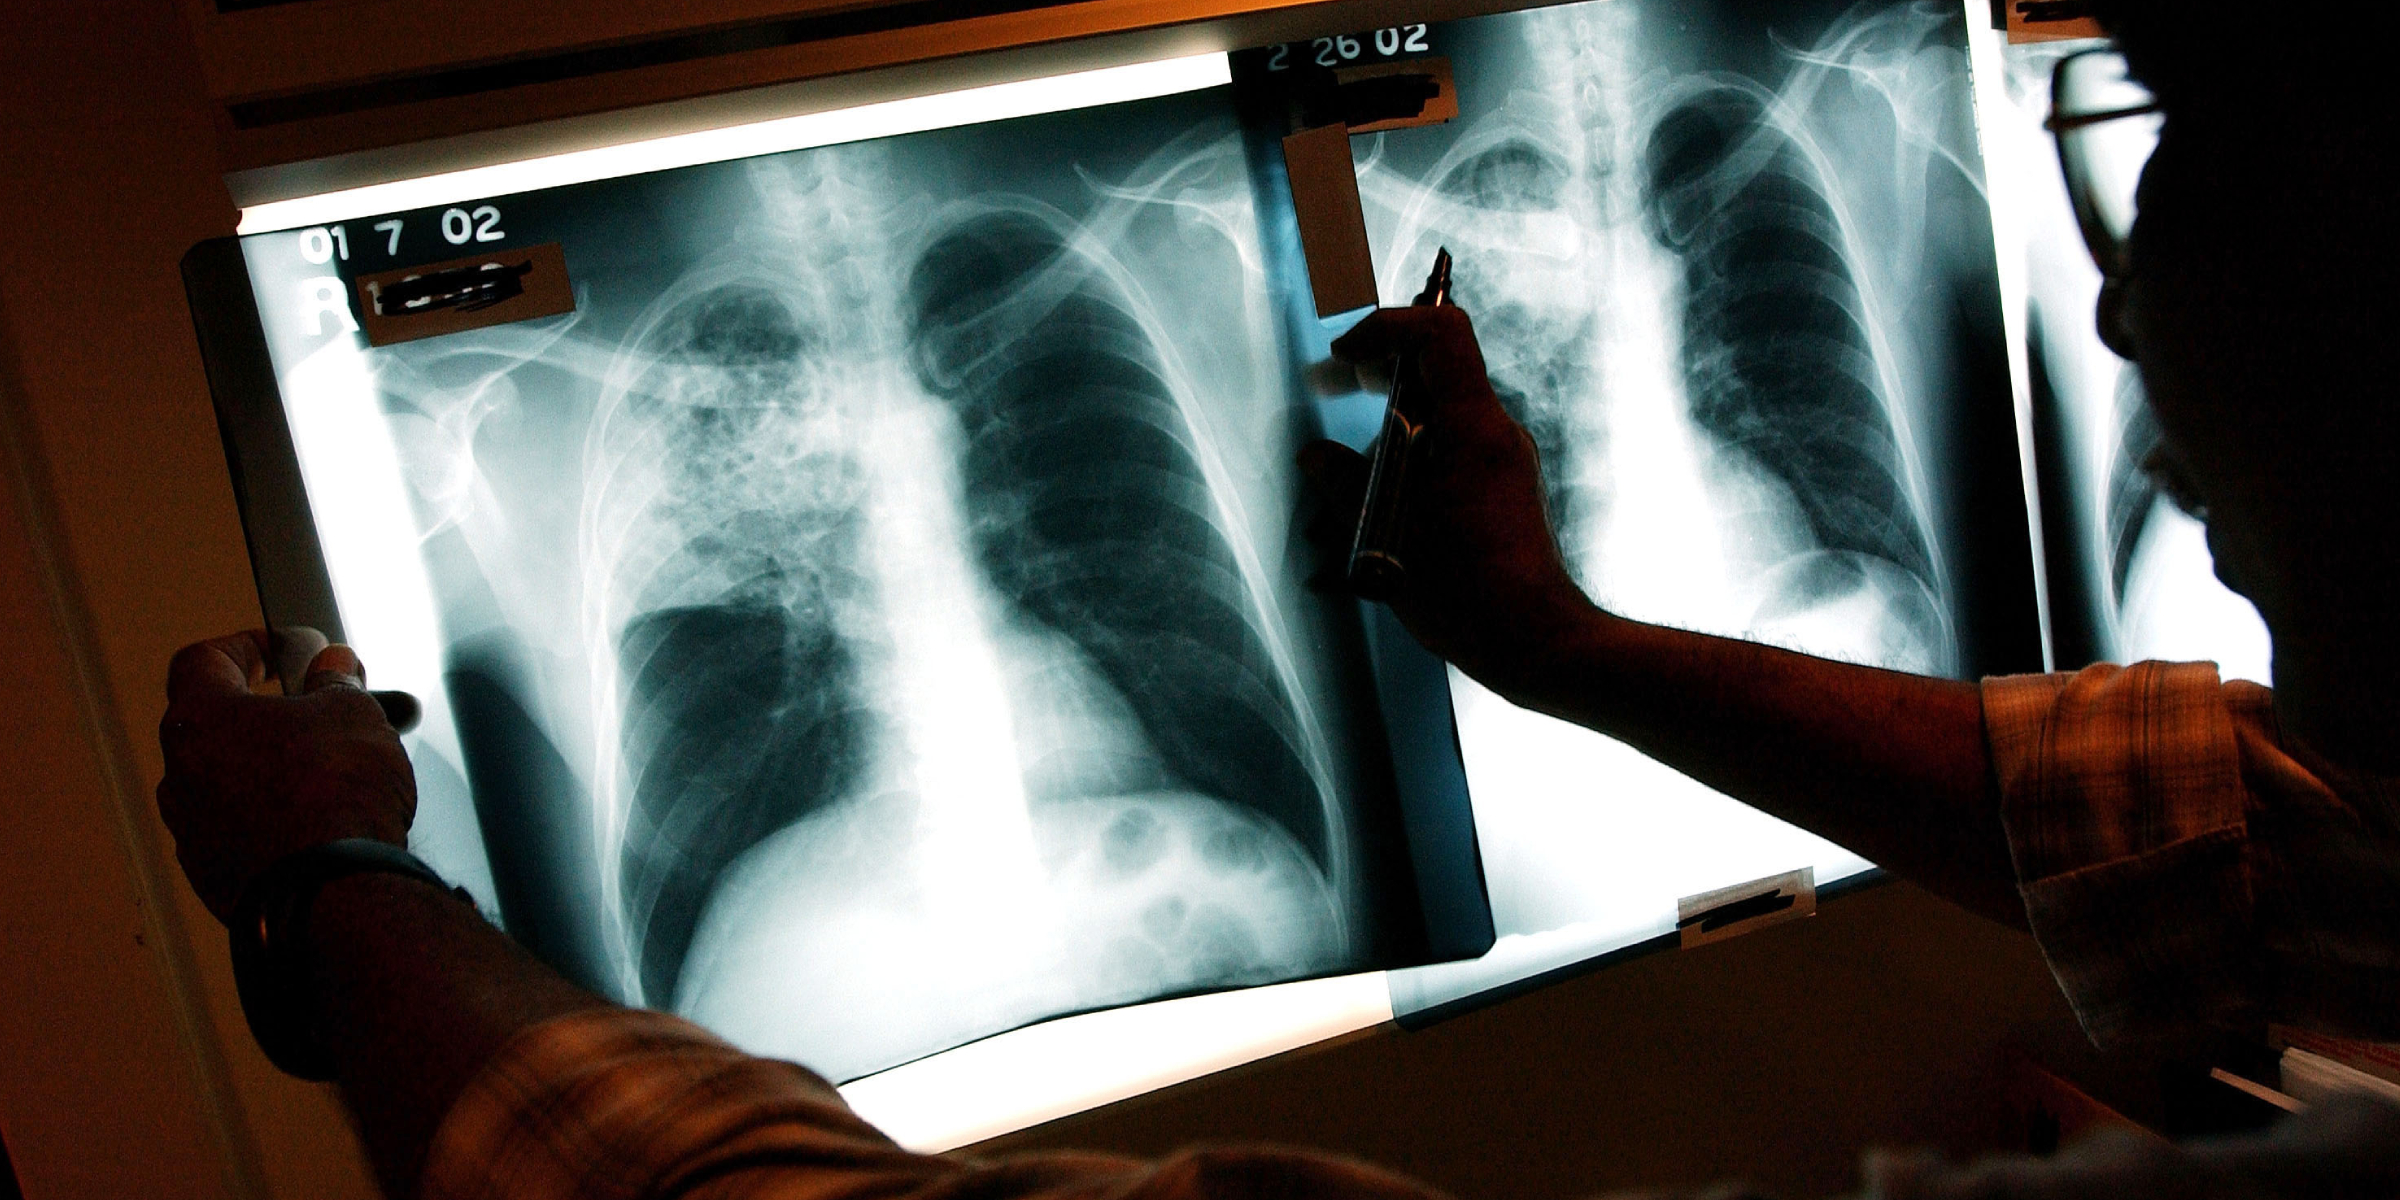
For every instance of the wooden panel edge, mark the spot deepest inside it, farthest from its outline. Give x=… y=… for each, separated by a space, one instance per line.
x=414 y=139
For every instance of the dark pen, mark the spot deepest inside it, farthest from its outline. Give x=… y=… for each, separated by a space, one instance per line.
x=1376 y=570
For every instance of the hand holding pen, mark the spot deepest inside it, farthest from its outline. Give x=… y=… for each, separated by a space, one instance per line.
x=1377 y=568
x=1482 y=582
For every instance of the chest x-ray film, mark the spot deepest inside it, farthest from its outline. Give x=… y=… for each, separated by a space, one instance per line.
x=1731 y=264
x=872 y=618
x=2130 y=574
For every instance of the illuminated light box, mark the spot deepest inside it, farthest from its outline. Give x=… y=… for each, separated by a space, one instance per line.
x=868 y=619
x=873 y=620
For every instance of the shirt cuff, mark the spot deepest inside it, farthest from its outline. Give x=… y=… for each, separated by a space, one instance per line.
x=2122 y=794
x=616 y=1102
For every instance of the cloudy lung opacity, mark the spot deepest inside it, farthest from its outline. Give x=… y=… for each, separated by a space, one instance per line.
x=747 y=610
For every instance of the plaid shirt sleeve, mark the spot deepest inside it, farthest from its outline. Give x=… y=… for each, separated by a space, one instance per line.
x=620 y=1104
x=2184 y=865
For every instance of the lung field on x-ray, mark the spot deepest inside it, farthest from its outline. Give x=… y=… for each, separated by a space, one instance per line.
x=1672 y=300
x=743 y=698
x=1777 y=362
x=1729 y=264
x=927 y=651
x=1095 y=519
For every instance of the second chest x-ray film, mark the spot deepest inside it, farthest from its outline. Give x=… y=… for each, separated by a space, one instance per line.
x=1731 y=264
x=876 y=615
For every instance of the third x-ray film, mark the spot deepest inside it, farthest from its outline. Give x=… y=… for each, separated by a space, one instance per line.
x=2129 y=571
x=1731 y=265
x=872 y=619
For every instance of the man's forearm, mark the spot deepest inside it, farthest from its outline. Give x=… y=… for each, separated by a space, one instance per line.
x=415 y=994
x=1891 y=765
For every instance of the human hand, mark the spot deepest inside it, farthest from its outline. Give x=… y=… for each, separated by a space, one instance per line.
x=1485 y=588
x=252 y=777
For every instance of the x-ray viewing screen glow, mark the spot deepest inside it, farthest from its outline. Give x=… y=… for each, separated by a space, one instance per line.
x=875 y=618
x=870 y=621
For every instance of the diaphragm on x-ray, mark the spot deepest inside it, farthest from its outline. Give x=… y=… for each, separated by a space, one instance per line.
x=1731 y=266
x=872 y=621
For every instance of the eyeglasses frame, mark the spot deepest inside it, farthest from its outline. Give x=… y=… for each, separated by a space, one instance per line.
x=2107 y=248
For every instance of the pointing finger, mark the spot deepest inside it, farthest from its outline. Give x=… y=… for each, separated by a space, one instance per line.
x=1440 y=343
x=1388 y=332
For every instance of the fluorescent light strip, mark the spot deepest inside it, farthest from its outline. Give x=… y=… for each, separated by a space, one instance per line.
x=941 y=110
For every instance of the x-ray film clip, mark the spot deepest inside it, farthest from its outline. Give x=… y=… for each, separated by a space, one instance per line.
x=1733 y=911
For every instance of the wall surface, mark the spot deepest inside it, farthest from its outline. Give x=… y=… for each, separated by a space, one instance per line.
x=130 y=1072
x=128 y=1069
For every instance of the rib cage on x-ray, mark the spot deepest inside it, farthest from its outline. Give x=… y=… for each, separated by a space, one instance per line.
x=1777 y=359
x=1097 y=519
x=1634 y=239
x=1719 y=258
x=2133 y=493
x=745 y=600
x=939 y=673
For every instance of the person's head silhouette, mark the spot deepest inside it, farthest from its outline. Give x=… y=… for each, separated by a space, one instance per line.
x=2255 y=293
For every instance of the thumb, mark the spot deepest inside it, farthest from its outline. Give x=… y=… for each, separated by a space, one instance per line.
x=334 y=666
x=339 y=667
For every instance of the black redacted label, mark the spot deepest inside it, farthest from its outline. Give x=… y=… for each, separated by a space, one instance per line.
x=1398 y=95
x=1733 y=911
x=492 y=288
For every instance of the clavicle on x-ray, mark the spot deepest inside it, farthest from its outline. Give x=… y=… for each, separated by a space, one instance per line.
x=1716 y=276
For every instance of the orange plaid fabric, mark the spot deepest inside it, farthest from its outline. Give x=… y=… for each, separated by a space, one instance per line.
x=619 y=1104
x=2185 y=865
